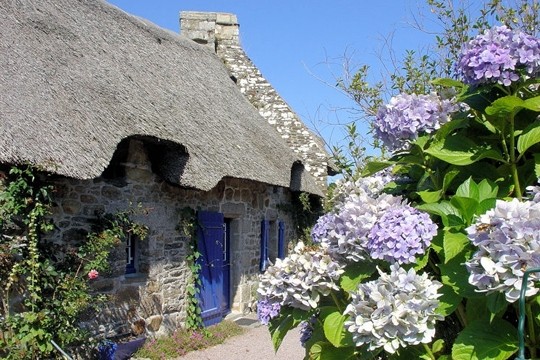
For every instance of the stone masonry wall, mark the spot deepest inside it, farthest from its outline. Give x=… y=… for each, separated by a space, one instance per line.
x=154 y=297
x=220 y=32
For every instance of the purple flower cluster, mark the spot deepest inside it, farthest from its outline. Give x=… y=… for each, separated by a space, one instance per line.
x=408 y=115
x=499 y=55
x=371 y=224
x=267 y=310
x=400 y=234
x=508 y=241
x=306 y=330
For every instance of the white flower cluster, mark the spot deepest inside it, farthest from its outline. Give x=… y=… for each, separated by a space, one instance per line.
x=396 y=310
x=370 y=186
x=508 y=241
x=301 y=278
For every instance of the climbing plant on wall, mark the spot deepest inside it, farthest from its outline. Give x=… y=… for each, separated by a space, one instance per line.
x=46 y=285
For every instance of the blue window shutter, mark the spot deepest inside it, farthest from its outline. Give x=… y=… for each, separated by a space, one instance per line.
x=281 y=239
x=265 y=234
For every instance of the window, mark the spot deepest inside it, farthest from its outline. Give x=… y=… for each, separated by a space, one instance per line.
x=131 y=254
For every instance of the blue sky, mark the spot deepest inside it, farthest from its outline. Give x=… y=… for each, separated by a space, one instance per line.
x=292 y=43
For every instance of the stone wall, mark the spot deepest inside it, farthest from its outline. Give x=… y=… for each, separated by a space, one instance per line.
x=154 y=297
x=220 y=32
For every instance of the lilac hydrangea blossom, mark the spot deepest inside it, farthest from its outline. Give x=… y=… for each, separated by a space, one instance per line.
x=400 y=234
x=396 y=310
x=408 y=115
x=508 y=241
x=347 y=229
x=499 y=55
x=306 y=330
x=267 y=310
x=301 y=278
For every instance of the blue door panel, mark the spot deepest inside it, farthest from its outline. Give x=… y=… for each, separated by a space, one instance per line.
x=210 y=245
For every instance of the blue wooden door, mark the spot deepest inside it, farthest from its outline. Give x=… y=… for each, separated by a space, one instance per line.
x=211 y=246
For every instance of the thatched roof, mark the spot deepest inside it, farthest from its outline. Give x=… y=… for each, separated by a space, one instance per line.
x=78 y=76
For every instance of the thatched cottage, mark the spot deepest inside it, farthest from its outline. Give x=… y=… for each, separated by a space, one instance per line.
x=123 y=112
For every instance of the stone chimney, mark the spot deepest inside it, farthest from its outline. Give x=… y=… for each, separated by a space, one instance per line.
x=220 y=31
x=210 y=29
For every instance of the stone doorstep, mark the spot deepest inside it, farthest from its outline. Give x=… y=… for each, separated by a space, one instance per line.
x=249 y=320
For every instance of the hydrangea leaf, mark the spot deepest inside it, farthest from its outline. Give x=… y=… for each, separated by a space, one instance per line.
x=280 y=326
x=325 y=351
x=467 y=207
x=354 y=274
x=537 y=165
x=505 y=106
x=449 y=301
x=482 y=340
x=411 y=352
x=530 y=137
x=487 y=190
x=461 y=151
x=430 y=196
x=454 y=244
x=373 y=167
x=335 y=331
x=533 y=103
x=448 y=82
x=468 y=189
x=496 y=302
x=455 y=275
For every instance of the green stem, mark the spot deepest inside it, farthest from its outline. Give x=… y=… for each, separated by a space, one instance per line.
x=337 y=302
x=429 y=352
x=462 y=317
x=513 y=162
x=531 y=330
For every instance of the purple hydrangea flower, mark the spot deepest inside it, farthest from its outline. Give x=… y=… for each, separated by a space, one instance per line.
x=408 y=115
x=325 y=224
x=508 y=241
x=400 y=234
x=306 y=330
x=267 y=310
x=499 y=55
x=396 y=310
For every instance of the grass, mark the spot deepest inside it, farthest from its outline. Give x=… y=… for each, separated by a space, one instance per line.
x=183 y=341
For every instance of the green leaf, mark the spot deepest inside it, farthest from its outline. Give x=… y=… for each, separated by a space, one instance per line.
x=447 y=82
x=454 y=244
x=468 y=189
x=533 y=104
x=354 y=274
x=459 y=150
x=529 y=137
x=449 y=301
x=466 y=206
x=486 y=341
x=335 y=331
x=411 y=352
x=496 y=302
x=448 y=177
x=280 y=326
x=373 y=167
x=430 y=196
x=325 y=351
x=487 y=190
x=505 y=106
x=438 y=346
x=455 y=275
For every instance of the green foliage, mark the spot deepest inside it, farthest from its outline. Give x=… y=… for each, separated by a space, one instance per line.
x=188 y=228
x=183 y=341
x=44 y=286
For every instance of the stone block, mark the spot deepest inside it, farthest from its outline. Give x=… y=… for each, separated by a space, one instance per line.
x=153 y=323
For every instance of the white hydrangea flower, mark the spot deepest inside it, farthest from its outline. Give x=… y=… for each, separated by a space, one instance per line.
x=396 y=310
x=301 y=278
x=508 y=241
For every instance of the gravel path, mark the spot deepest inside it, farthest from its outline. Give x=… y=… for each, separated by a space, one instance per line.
x=255 y=343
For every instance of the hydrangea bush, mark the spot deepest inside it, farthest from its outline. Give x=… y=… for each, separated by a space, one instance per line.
x=431 y=267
